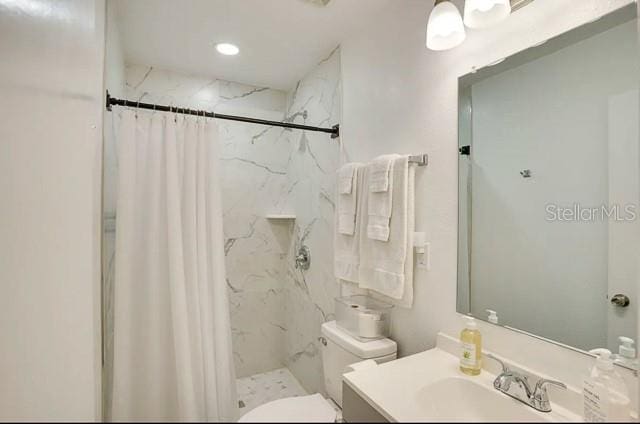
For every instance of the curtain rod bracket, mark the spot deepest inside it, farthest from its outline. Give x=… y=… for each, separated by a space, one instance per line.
x=336 y=131
x=108 y=99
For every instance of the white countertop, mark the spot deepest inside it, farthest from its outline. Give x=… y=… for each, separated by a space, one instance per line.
x=397 y=389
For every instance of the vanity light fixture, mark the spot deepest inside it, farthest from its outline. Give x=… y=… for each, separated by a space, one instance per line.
x=485 y=13
x=445 y=29
x=227 y=49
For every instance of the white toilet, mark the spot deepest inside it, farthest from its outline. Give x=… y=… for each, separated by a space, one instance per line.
x=339 y=350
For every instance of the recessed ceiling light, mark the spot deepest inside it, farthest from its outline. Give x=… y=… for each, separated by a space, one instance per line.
x=227 y=49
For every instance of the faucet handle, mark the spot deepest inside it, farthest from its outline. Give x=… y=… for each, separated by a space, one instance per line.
x=540 y=395
x=541 y=385
x=505 y=369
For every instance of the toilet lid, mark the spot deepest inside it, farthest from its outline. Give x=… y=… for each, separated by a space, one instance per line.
x=309 y=409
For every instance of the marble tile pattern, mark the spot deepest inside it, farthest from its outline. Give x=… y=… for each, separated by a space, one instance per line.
x=276 y=309
x=108 y=273
x=259 y=389
x=311 y=175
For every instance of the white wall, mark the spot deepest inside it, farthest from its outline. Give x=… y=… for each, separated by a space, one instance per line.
x=398 y=96
x=50 y=156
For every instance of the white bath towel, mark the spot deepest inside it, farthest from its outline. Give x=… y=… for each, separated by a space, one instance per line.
x=380 y=172
x=347 y=247
x=380 y=200
x=407 y=297
x=347 y=201
x=383 y=265
x=347 y=177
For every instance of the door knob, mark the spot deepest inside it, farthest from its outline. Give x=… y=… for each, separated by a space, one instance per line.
x=620 y=300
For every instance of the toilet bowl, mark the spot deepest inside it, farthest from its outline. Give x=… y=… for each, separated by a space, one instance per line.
x=309 y=409
x=338 y=350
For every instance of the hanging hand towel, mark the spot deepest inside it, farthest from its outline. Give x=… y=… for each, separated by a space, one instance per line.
x=380 y=183
x=382 y=264
x=347 y=247
x=347 y=201
x=380 y=172
x=347 y=177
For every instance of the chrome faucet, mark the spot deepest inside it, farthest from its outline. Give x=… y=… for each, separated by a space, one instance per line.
x=538 y=398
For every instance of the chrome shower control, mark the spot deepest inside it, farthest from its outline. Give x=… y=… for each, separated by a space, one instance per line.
x=303 y=259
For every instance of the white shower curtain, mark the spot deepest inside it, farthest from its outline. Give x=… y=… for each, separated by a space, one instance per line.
x=172 y=336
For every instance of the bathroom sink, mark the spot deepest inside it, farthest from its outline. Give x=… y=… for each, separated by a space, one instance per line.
x=429 y=386
x=459 y=399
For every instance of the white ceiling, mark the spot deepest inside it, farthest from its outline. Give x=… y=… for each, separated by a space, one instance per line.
x=279 y=40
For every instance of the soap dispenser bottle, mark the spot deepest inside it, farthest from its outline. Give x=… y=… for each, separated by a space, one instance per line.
x=471 y=348
x=493 y=316
x=626 y=352
x=605 y=395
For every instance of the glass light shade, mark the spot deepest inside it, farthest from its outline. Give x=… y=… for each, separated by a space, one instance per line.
x=445 y=29
x=484 y=13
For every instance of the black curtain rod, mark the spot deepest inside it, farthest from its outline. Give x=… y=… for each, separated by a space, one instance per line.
x=112 y=101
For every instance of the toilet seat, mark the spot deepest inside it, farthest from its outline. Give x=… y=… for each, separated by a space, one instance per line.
x=311 y=409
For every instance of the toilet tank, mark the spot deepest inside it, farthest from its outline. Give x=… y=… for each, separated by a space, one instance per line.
x=339 y=350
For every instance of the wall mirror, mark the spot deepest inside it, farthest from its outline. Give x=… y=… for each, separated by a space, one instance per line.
x=549 y=187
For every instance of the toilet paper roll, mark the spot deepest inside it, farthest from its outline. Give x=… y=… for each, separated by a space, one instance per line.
x=370 y=324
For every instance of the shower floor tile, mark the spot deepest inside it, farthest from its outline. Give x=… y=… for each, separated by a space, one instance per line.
x=259 y=389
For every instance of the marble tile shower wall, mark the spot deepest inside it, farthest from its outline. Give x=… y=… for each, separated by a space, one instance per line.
x=311 y=174
x=276 y=310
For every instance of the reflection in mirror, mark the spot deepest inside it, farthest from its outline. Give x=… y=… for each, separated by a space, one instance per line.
x=549 y=188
